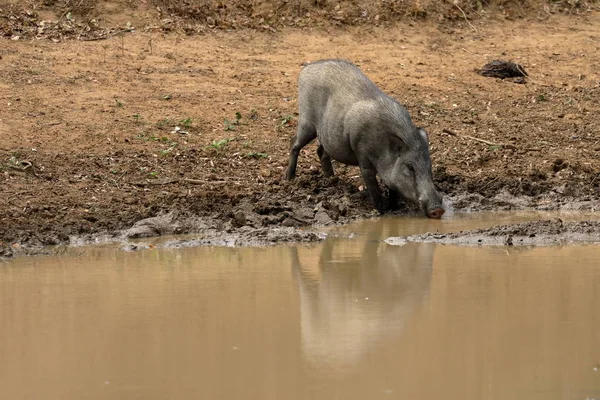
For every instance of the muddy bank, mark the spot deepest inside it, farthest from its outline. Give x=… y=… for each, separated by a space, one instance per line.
x=236 y=210
x=534 y=233
x=96 y=136
x=303 y=217
x=208 y=231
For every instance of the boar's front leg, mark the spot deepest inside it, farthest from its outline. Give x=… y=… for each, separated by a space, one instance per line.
x=393 y=198
x=369 y=175
x=306 y=133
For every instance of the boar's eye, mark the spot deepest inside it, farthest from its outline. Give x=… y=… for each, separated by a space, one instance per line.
x=397 y=143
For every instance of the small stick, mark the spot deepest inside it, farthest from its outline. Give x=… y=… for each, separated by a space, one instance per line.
x=122 y=31
x=201 y=182
x=469 y=51
x=464 y=15
x=481 y=140
x=452 y=133
x=507 y=146
x=166 y=182
x=449 y=132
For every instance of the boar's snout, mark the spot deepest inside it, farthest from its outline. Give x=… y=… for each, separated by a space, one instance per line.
x=432 y=205
x=436 y=213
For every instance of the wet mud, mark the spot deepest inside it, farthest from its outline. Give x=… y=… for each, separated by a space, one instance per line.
x=534 y=233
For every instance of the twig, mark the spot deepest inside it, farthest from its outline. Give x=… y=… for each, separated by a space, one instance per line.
x=464 y=15
x=202 y=182
x=520 y=69
x=69 y=10
x=480 y=140
x=506 y=146
x=194 y=181
x=188 y=180
x=488 y=183
x=18 y=194
x=469 y=51
x=26 y=167
x=156 y=182
x=449 y=132
x=122 y=31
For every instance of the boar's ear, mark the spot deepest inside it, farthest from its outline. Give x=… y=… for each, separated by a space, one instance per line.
x=423 y=134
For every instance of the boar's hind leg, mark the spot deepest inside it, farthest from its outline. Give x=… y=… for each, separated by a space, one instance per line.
x=369 y=175
x=325 y=161
x=306 y=133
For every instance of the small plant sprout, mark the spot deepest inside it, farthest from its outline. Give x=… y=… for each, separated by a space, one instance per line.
x=119 y=103
x=286 y=121
x=15 y=161
x=137 y=117
x=167 y=97
x=218 y=145
x=145 y=138
x=172 y=146
x=230 y=125
x=153 y=174
x=164 y=122
x=187 y=123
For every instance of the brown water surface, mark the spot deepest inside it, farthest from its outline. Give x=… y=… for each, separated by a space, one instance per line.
x=345 y=319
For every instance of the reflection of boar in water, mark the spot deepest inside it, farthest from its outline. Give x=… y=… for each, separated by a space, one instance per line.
x=358 y=124
x=349 y=304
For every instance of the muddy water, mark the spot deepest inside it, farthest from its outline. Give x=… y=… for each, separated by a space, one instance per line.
x=345 y=319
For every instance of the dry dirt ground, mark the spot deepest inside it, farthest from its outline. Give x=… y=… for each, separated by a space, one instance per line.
x=98 y=135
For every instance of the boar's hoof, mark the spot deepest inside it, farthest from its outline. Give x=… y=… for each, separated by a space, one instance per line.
x=436 y=213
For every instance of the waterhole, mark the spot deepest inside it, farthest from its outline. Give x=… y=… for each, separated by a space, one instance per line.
x=349 y=318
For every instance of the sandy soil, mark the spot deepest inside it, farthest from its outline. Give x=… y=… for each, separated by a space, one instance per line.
x=96 y=136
